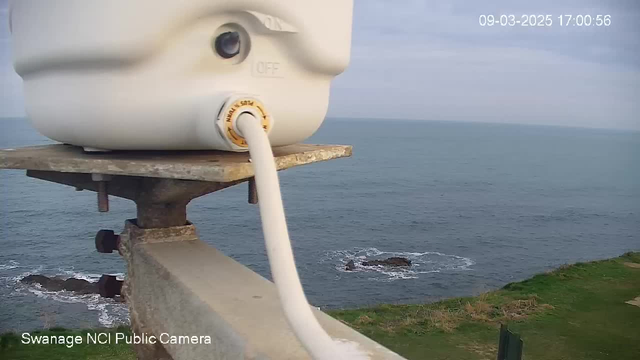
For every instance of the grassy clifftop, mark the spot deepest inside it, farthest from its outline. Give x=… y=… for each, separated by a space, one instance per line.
x=578 y=311
x=575 y=312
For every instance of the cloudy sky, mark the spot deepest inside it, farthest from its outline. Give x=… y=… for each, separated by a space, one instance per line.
x=432 y=60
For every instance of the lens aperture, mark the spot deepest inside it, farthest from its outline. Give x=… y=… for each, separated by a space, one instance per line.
x=228 y=44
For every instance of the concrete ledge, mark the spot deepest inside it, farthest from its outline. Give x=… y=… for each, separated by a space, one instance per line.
x=186 y=287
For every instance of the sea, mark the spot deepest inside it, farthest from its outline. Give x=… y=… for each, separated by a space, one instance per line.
x=474 y=206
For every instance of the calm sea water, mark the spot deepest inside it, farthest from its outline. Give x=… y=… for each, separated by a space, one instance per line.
x=475 y=206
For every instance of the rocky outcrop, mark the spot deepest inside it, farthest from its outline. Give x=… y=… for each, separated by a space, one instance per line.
x=78 y=286
x=392 y=261
x=351 y=265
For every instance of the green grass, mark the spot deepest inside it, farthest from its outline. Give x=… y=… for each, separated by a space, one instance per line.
x=575 y=312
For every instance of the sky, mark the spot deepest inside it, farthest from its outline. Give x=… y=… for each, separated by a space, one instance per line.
x=431 y=60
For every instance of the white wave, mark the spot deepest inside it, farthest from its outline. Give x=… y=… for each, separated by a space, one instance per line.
x=61 y=272
x=85 y=276
x=421 y=263
x=12 y=264
x=60 y=296
x=12 y=282
x=110 y=312
x=17 y=278
x=79 y=275
x=104 y=318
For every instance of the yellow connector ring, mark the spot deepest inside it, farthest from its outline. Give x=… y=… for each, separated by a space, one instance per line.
x=231 y=111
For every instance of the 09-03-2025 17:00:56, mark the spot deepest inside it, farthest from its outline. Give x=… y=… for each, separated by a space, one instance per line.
x=564 y=20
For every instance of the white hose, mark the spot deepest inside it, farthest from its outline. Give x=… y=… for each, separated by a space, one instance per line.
x=274 y=226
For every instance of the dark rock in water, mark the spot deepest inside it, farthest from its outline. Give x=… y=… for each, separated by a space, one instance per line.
x=52 y=284
x=392 y=261
x=78 y=286
x=109 y=286
x=351 y=265
x=30 y=279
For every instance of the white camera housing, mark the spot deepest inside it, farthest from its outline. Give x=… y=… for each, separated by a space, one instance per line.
x=146 y=74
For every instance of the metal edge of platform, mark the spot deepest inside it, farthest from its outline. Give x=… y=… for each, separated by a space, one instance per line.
x=211 y=166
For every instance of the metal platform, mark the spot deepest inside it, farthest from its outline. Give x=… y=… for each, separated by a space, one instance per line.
x=216 y=166
x=176 y=284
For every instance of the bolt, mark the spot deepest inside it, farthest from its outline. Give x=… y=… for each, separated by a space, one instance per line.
x=103 y=197
x=107 y=241
x=253 y=191
x=103 y=194
x=109 y=286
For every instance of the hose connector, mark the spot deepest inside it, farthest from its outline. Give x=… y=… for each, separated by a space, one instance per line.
x=234 y=107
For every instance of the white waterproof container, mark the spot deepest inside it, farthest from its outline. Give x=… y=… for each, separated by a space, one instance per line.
x=171 y=75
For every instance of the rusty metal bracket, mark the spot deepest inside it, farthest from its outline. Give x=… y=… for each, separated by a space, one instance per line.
x=160 y=202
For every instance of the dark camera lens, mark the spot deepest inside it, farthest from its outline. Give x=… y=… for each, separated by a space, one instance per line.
x=228 y=44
